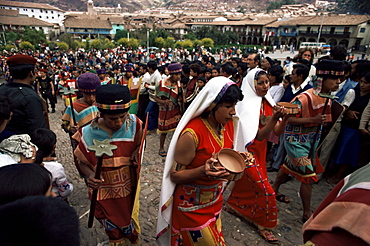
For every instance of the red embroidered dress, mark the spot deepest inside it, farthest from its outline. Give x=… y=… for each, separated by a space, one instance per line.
x=252 y=197
x=197 y=206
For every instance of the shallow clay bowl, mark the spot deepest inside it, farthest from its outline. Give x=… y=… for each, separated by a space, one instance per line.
x=290 y=108
x=232 y=161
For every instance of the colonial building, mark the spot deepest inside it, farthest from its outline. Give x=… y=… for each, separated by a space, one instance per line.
x=251 y=30
x=85 y=26
x=350 y=31
x=11 y=21
x=41 y=11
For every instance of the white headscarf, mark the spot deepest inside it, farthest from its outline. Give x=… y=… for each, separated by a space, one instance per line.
x=208 y=97
x=16 y=145
x=248 y=111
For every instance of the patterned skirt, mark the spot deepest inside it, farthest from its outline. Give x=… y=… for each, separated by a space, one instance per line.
x=168 y=118
x=253 y=199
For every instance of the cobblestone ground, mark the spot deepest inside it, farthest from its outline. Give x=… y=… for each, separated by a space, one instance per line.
x=236 y=231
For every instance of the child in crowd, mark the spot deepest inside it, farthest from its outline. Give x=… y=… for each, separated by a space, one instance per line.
x=208 y=73
x=26 y=201
x=17 y=149
x=46 y=141
x=286 y=81
x=201 y=82
x=24 y=179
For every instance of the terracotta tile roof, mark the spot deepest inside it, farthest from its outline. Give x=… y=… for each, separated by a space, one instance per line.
x=337 y=20
x=290 y=22
x=29 y=5
x=92 y=22
x=23 y=21
x=8 y=12
x=116 y=20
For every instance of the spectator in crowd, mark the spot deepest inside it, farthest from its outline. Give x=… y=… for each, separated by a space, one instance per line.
x=28 y=111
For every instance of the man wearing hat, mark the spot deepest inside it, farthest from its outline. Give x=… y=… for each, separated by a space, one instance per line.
x=302 y=134
x=103 y=79
x=84 y=109
x=129 y=73
x=45 y=87
x=118 y=186
x=28 y=111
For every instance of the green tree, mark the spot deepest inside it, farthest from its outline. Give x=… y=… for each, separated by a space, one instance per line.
x=179 y=44
x=96 y=44
x=133 y=43
x=208 y=42
x=107 y=44
x=187 y=43
x=123 y=41
x=33 y=36
x=169 y=42
x=25 y=45
x=63 y=46
x=11 y=37
x=10 y=47
x=80 y=44
x=197 y=42
x=120 y=34
x=190 y=35
x=51 y=45
x=159 y=42
x=68 y=39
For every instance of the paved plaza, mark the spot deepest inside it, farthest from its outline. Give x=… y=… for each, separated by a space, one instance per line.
x=236 y=231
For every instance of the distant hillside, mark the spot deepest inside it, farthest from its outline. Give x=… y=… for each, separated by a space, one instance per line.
x=132 y=5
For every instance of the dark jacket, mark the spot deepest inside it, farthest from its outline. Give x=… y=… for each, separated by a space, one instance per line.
x=28 y=112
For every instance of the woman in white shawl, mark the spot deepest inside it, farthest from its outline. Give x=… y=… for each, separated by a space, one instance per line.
x=252 y=197
x=191 y=197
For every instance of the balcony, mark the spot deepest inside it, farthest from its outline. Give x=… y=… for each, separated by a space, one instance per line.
x=335 y=34
x=288 y=34
x=326 y=34
x=254 y=34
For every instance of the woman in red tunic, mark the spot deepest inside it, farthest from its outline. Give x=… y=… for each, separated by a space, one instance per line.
x=252 y=197
x=191 y=201
x=169 y=98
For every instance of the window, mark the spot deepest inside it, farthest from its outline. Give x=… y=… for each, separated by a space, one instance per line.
x=52 y=17
x=46 y=11
x=40 y=10
x=362 y=30
x=31 y=10
x=40 y=17
x=47 y=17
x=52 y=12
x=33 y=15
x=40 y=28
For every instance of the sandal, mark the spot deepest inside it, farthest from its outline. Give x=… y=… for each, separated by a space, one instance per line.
x=268 y=236
x=162 y=153
x=282 y=198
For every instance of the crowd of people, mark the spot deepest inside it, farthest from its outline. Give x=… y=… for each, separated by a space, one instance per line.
x=244 y=102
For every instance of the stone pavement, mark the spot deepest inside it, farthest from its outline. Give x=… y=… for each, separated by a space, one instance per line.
x=236 y=231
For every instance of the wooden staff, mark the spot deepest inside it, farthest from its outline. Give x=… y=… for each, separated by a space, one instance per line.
x=100 y=148
x=69 y=92
x=311 y=154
